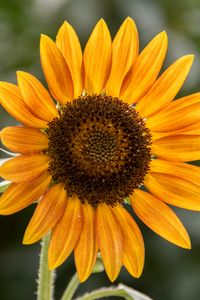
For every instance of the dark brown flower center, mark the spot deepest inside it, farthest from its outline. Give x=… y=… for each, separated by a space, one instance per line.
x=99 y=148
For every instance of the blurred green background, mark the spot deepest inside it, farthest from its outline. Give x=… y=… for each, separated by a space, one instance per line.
x=170 y=273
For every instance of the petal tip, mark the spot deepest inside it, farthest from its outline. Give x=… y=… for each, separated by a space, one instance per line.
x=51 y=266
x=82 y=278
x=137 y=275
x=139 y=271
x=26 y=241
x=161 y=38
x=129 y=19
x=101 y=20
x=111 y=277
x=21 y=74
x=53 y=263
x=65 y=25
x=164 y=35
x=189 y=58
x=129 y=22
x=101 y=23
x=44 y=38
x=187 y=245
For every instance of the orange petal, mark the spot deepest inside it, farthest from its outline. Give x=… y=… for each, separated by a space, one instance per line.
x=11 y=100
x=165 y=87
x=171 y=121
x=160 y=218
x=48 y=212
x=20 y=195
x=110 y=240
x=36 y=97
x=97 y=59
x=181 y=103
x=65 y=234
x=86 y=249
x=68 y=43
x=24 y=168
x=23 y=139
x=172 y=112
x=193 y=129
x=180 y=148
x=145 y=70
x=183 y=170
x=133 y=252
x=56 y=70
x=174 y=190
x=124 y=52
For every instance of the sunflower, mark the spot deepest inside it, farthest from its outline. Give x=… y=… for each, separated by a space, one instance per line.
x=107 y=133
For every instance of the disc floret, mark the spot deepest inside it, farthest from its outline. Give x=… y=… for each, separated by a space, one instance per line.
x=99 y=148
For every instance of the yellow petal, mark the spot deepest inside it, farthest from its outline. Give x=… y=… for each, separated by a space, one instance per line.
x=172 y=113
x=165 y=87
x=85 y=252
x=180 y=103
x=68 y=43
x=133 y=245
x=23 y=139
x=48 y=212
x=171 y=121
x=174 y=190
x=56 y=70
x=24 y=168
x=160 y=218
x=180 y=148
x=110 y=240
x=193 y=129
x=10 y=99
x=36 y=97
x=183 y=170
x=65 y=234
x=146 y=69
x=20 y=195
x=97 y=59
x=124 y=52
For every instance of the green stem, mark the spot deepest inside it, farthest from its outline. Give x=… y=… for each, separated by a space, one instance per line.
x=46 y=278
x=74 y=282
x=71 y=288
x=106 y=292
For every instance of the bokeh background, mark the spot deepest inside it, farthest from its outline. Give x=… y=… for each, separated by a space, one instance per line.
x=170 y=273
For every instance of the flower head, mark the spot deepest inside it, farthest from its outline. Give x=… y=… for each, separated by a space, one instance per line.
x=108 y=127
